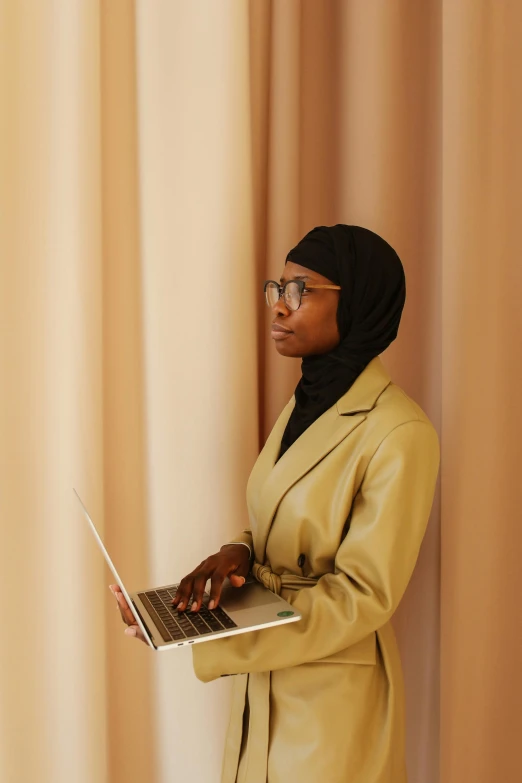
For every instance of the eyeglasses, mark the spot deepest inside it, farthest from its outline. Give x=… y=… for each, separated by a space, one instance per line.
x=291 y=292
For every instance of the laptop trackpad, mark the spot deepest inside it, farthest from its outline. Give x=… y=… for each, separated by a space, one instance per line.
x=250 y=595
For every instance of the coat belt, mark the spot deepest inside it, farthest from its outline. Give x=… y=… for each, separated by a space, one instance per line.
x=257 y=686
x=277 y=582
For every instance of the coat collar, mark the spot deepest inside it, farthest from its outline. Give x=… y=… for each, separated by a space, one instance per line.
x=272 y=480
x=364 y=391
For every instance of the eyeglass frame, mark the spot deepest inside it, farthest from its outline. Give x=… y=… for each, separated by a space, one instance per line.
x=300 y=284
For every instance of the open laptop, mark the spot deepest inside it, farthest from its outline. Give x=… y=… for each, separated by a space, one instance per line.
x=247 y=608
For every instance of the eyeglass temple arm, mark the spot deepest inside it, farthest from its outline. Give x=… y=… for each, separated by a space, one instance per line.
x=323 y=286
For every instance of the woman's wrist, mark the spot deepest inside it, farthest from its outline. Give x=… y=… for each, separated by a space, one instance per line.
x=241 y=543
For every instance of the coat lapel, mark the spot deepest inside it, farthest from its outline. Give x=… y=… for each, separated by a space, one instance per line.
x=270 y=480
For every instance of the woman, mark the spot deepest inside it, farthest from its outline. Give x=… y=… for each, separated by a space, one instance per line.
x=338 y=501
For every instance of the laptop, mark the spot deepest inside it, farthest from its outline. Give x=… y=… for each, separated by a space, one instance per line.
x=241 y=609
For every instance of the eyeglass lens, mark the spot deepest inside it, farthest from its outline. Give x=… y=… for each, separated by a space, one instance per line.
x=291 y=295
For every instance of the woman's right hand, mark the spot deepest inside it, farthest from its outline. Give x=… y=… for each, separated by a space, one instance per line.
x=232 y=560
x=133 y=628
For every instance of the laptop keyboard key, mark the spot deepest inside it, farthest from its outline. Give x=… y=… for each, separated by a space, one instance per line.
x=159 y=625
x=224 y=618
x=186 y=624
x=210 y=620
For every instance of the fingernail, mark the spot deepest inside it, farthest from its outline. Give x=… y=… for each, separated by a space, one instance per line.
x=193 y=607
x=243 y=580
x=130 y=631
x=211 y=604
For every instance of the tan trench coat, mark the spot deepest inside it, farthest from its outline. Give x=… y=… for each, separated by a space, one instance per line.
x=321 y=700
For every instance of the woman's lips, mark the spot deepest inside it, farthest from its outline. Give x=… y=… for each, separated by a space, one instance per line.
x=278 y=333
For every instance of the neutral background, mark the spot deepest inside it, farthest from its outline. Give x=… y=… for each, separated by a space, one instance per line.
x=158 y=161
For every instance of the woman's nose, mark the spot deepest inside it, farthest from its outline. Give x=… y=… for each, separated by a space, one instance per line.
x=280 y=308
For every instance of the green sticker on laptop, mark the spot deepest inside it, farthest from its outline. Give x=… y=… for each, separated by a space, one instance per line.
x=284 y=614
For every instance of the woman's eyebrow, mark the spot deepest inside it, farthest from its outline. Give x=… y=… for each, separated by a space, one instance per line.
x=296 y=277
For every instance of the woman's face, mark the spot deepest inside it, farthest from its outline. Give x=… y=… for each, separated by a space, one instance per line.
x=313 y=327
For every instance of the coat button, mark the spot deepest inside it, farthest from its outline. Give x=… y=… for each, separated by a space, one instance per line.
x=301 y=560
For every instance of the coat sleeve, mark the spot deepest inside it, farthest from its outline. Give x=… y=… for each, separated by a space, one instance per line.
x=245 y=537
x=373 y=565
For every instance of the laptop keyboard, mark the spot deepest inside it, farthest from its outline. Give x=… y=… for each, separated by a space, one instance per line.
x=178 y=626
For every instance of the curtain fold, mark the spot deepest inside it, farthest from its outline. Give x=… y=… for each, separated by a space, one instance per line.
x=52 y=658
x=481 y=679
x=157 y=162
x=131 y=678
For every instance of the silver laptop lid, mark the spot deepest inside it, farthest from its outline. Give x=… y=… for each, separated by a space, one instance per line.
x=114 y=572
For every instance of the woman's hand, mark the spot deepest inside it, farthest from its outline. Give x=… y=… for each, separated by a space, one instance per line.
x=232 y=560
x=133 y=628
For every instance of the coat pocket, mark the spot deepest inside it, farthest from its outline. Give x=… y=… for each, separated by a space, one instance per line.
x=364 y=651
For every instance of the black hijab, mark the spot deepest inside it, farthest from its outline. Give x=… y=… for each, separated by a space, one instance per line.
x=372 y=296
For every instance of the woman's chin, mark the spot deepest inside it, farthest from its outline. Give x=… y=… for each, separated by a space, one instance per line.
x=286 y=350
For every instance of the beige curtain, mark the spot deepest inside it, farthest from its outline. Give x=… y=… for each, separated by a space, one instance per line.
x=158 y=160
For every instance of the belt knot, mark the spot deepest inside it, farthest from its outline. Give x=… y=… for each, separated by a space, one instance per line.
x=275 y=582
x=267 y=577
